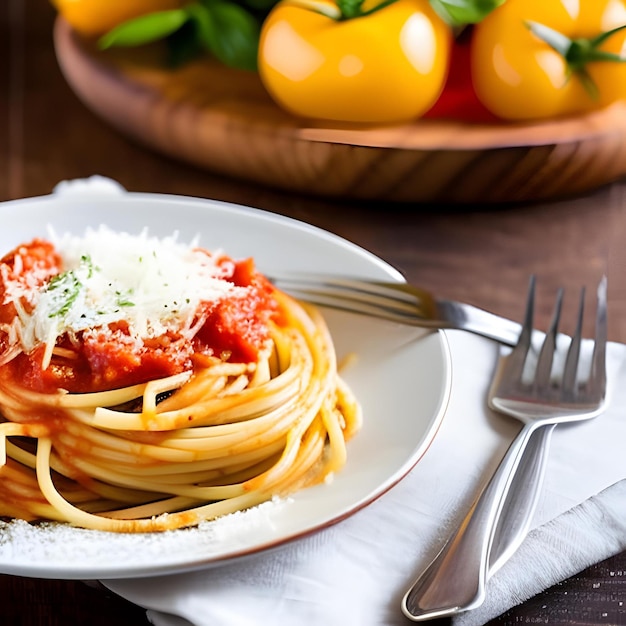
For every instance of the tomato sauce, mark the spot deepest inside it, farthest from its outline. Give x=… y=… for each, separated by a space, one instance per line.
x=31 y=264
x=235 y=329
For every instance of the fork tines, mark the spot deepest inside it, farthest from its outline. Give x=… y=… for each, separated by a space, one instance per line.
x=551 y=351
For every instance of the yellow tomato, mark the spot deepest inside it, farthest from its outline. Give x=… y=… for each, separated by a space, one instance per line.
x=518 y=75
x=385 y=66
x=96 y=17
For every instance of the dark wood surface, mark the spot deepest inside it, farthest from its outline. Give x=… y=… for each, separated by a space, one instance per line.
x=480 y=254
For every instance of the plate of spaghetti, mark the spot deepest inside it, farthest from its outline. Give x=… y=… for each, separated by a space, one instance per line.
x=164 y=407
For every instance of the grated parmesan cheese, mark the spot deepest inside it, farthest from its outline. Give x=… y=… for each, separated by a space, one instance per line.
x=154 y=285
x=61 y=547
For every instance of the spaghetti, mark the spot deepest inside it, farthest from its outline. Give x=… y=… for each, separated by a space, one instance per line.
x=147 y=385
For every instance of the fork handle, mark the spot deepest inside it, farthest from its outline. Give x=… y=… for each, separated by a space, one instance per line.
x=455 y=580
x=521 y=500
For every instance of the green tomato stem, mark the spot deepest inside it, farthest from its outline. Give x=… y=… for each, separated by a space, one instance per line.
x=343 y=10
x=578 y=53
x=378 y=7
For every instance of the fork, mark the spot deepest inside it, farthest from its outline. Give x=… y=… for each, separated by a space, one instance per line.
x=455 y=580
x=397 y=302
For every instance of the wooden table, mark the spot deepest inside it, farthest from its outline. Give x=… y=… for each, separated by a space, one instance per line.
x=480 y=254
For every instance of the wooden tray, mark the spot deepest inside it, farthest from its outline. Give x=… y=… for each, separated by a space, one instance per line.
x=223 y=120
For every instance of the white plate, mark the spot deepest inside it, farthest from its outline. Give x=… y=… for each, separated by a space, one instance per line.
x=401 y=376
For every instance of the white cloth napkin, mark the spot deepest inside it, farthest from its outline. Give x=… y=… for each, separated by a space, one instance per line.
x=355 y=572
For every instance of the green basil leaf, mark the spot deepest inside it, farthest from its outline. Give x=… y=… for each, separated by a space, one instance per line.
x=144 y=29
x=462 y=12
x=229 y=32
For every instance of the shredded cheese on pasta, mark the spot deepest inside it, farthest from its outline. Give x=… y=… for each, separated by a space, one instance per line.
x=153 y=284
